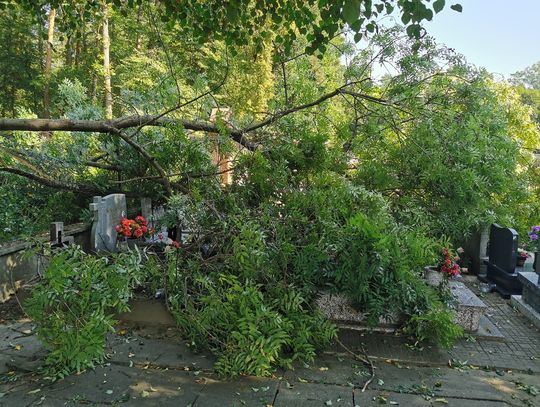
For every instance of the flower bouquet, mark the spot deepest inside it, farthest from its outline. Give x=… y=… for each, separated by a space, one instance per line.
x=133 y=229
x=522 y=257
x=446 y=269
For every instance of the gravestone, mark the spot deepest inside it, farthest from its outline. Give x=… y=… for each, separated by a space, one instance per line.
x=107 y=213
x=476 y=247
x=529 y=302
x=501 y=265
x=57 y=236
x=146 y=210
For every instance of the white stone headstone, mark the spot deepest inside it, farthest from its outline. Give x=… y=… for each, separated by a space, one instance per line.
x=146 y=210
x=107 y=214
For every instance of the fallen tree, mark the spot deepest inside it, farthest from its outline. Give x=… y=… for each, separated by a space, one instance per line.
x=118 y=127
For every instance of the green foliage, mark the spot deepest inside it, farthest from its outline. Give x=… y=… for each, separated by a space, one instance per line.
x=275 y=245
x=435 y=324
x=351 y=195
x=378 y=269
x=74 y=305
x=239 y=22
x=29 y=208
x=453 y=163
x=19 y=62
x=250 y=329
x=529 y=77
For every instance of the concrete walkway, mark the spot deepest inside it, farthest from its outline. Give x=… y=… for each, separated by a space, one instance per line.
x=161 y=370
x=154 y=367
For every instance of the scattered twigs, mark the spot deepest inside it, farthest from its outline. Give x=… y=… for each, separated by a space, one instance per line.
x=364 y=359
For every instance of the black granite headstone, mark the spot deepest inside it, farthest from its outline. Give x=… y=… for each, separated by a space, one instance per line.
x=501 y=266
x=503 y=248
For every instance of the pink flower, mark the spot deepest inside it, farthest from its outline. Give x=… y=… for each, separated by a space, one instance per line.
x=160 y=236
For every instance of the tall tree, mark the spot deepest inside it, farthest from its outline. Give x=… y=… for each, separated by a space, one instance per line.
x=107 y=63
x=20 y=63
x=48 y=64
x=529 y=77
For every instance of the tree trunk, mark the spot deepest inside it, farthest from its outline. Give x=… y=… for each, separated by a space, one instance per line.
x=48 y=65
x=95 y=74
x=107 y=64
x=138 y=40
x=223 y=161
x=69 y=51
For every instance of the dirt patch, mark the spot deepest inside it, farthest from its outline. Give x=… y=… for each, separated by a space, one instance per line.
x=11 y=310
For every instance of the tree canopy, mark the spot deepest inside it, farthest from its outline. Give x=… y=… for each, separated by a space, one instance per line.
x=240 y=22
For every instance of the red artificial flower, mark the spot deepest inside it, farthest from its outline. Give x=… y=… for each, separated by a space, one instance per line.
x=137 y=227
x=141 y=220
x=175 y=244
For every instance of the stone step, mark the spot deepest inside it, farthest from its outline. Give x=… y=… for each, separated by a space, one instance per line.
x=469 y=308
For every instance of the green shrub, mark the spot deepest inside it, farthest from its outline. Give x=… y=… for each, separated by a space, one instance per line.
x=73 y=306
x=436 y=325
x=252 y=330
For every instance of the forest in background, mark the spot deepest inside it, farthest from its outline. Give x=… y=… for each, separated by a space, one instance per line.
x=399 y=131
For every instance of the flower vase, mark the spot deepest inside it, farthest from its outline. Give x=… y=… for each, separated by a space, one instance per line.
x=433 y=276
x=126 y=244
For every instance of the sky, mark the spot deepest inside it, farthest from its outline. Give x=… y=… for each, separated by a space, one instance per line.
x=501 y=35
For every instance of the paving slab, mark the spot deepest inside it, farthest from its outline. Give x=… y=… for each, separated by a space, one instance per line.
x=329 y=369
x=377 y=398
x=455 y=383
x=462 y=381
x=314 y=394
x=249 y=391
x=172 y=353
x=108 y=385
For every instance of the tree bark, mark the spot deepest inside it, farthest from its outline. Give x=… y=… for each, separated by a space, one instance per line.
x=112 y=126
x=105 y=126
x=48 y=65
x=107 y=64
x=138 y=40
x=69 y=51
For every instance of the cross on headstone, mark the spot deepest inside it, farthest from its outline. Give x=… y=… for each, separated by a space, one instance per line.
x=107 y=213
x=57 y=237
